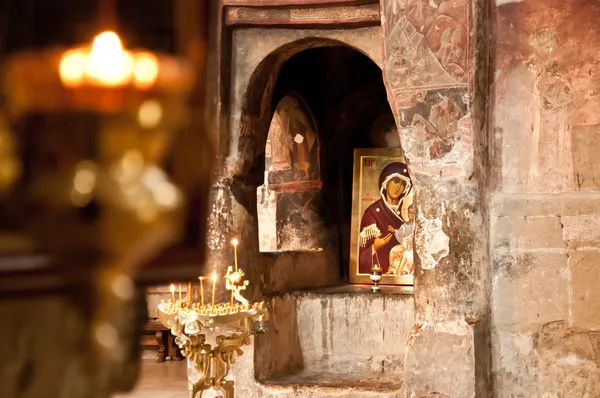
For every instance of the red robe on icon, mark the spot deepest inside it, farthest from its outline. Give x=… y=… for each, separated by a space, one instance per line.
x=376 y=220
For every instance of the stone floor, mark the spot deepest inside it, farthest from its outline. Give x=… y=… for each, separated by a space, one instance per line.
x=160 y=380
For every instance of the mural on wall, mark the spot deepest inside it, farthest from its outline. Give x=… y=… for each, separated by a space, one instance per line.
x=382 y=217
x=547 y=85
x=427 y=65
x=293 y=143
x=435 y=119
x=553 y=81
x=285 y=202
x=428 y=43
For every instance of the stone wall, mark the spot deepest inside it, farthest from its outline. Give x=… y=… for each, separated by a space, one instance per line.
x=545 y=209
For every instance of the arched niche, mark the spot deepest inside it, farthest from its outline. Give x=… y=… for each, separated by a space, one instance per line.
x=349 y=106
x=252 y=120
x=286 y=219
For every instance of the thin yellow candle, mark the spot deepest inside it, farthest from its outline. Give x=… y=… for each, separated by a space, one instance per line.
x=235 y=243
x=232 y=292
x=202 y=289
x=214 y=280
x=173 y=292
x=180 y=292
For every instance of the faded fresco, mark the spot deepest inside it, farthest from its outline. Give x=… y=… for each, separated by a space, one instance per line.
x=427 y=67
x=383 y=217
x=289 y=201
x=294 y=150
x=428 y=43
x=547 y=84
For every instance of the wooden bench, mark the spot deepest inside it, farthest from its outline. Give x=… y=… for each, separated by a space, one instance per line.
x=165 y=340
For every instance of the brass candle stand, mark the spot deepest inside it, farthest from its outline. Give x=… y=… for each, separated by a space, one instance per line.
x=208 y=366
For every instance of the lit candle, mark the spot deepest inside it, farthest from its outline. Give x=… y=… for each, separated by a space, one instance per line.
x=173 y=292
x=214 y=280
x=202 y=289
x=180 y=292
x=232 y=293
x=235 y=243
x=108 y=64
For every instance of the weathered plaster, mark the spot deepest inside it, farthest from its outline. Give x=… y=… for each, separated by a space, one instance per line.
x=545 y=215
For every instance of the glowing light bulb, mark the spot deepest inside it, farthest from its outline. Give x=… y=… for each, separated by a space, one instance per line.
x=108 y=62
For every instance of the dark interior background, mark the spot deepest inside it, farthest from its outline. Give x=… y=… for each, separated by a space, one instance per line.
x=37 y=23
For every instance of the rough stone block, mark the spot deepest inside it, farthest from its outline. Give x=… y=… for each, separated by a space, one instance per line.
x=441 y=360
x=580 y=204
x=581 y=228
x=586 y=145
x=513 y=366
x=568 y=362
x=554 y=361
x=535 y=204
x=528 y=232
x=585 y=294
x=522 y=205
x=530 y=289
x=360 y=333
x=350 y=333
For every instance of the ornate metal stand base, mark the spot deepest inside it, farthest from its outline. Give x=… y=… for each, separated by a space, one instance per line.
x=204 y=361
x=208 y=366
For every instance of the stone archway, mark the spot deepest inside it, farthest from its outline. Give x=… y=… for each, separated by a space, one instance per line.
x=234 y=211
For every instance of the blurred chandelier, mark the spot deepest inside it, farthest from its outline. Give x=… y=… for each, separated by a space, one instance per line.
x=84 y=133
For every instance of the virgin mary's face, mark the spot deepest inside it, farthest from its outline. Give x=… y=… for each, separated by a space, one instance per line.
x=395 y=188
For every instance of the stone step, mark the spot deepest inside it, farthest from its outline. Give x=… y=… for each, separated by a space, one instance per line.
x=346 y=335
x=333 y=385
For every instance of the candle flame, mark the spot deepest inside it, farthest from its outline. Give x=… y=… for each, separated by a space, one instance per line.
x=235 y=242
x=214 y=276
x=108 y=62
x=201 y=278
x=172 y=288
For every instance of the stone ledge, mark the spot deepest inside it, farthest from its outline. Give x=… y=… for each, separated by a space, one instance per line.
x=342 y=330
x=402 y=292
x=536 y=204
x=326 y=384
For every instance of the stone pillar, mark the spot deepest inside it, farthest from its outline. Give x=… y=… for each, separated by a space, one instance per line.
x=437 y=86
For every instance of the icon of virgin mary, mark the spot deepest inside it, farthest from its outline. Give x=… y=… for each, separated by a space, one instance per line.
x=381 y=224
